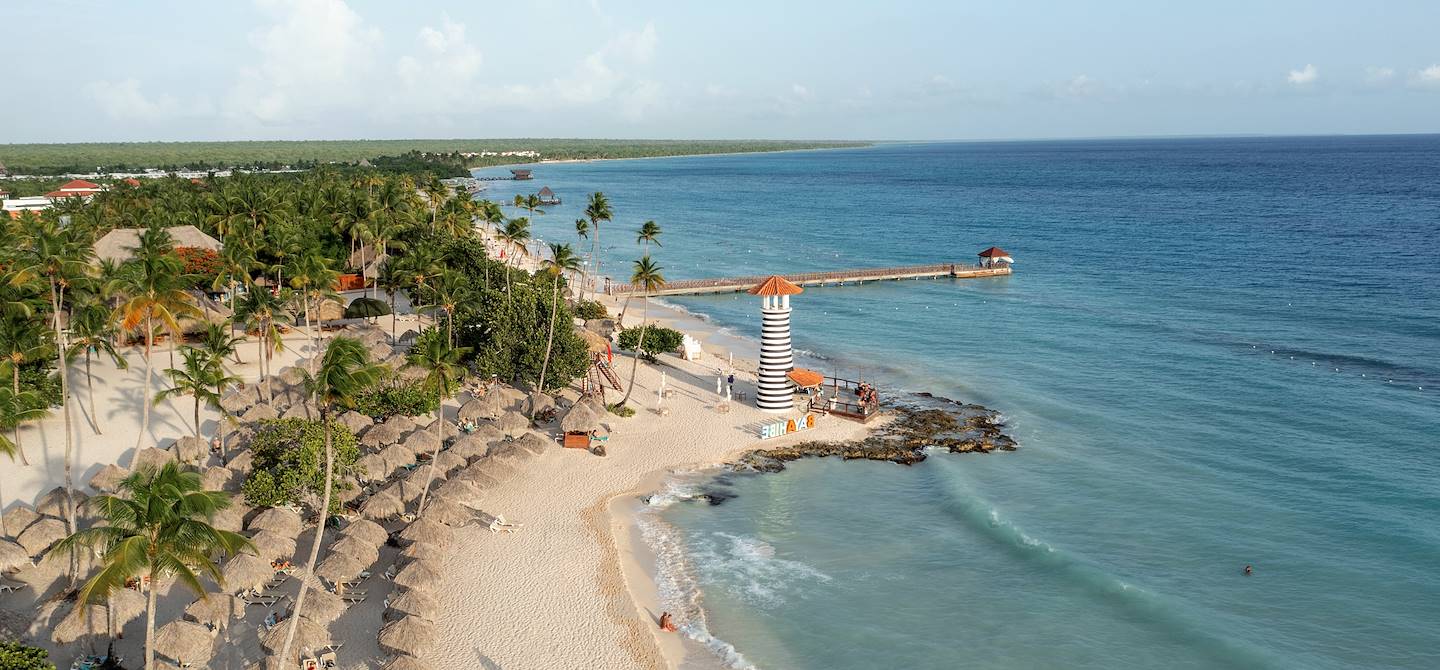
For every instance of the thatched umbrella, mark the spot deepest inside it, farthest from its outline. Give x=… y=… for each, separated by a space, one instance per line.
x=401 y=423
x=380 y=435
x=12 y=556
x=217 y=478
x=383 y=504
x=372 y=468
x=538 y=402
x=340 y=567
x=364 y=529
x=357 y=548
x=190 y=449
x=127 y=605
x=347 y=491
x=299 y=411
x=397 y=456
x=41 y=535
x=272 y=545
x=417 y=576
x=488 y=432
x=480 y=474
x=18 y=518
x=459 y=490
x=355 y=421
x=404 y=662
x=412 y=486
x=411 y=636
x=245 y=572
x=294 y=375
x=239 y=400
x=428 y=531
x=448 y=462
x=412 y=603
x=380 y=351
x=259 y=413
x=216 y=609
x=512 y=423
x=184 y=641
x=583 y=417
x=238 y=440
x=469 y=447
x=278 y=519
x=53 y=502
x=489 y=406
x=231 y=518
x=308 y=637
x=324 y=607
x=420 y=442
x=242 y=462
x=82 y=621
x=150 y=457
x=107 y=480
x=533 y=442
x=449 y=512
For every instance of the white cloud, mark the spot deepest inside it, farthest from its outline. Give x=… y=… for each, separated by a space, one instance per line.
x=1304 y=76
x=638 y=47
x=1429 y=76
x=801 y=92
x=1379 y=75
x=442 y=73
x=124 y=100
x=1080 y=86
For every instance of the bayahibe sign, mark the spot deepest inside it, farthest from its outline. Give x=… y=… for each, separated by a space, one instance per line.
x=786 y=426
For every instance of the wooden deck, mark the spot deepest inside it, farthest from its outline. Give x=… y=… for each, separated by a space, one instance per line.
x=737 y=284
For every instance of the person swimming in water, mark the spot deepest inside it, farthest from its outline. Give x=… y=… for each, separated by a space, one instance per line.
x=1249 y=571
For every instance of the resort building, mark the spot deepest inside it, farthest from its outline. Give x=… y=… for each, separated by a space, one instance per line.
x=995 y=257
x=119 y=245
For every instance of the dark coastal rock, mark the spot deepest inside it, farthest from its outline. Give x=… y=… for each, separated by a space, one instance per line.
x=951 y=425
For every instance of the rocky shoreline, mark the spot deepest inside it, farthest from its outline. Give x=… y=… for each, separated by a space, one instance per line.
x=930 y=422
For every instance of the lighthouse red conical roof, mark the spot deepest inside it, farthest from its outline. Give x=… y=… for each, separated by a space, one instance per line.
x=775 y=285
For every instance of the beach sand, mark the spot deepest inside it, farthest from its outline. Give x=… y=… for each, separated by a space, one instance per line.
x=574 y=588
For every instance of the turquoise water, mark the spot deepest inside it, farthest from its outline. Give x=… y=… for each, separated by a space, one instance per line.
x=1213 y=353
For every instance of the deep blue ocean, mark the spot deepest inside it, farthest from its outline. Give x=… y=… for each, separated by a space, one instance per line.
x=1213 y=353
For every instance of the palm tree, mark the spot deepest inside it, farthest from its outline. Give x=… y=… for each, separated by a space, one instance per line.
x=344 y=372
x=151 y=282
x=92 y=331
x=21 y=341
x=516 y=234
x=392 y=279
x=532 y=204
x=649 y=232
x=158 y=525
x=264 y=312
x=220 y=343
x=582 y=231
x=441 y=363
x=597 y=209
x=648 y=278
x=15 y=409
x=434 y=192
x=315 y=281
x=562 y=259
x=197 y=379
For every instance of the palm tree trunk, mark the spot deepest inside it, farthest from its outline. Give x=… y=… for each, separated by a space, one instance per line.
x=145 y=399
x=392 y=318
x=549 y=335
x=310 y=330
x=319 y=536
x=15 y=380
x=434 y=455
x=57 y=296
x=644 y=313
x=150 y=625
x=90 y=390
x=197 y=415
x=4 y=532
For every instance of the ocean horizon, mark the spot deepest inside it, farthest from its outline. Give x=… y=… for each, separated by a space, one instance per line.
x=1215 y=352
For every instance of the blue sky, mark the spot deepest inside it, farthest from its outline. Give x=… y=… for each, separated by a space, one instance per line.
x=339 y=69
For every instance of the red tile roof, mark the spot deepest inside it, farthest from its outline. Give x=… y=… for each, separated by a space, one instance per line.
x=66 y=194
x=79 y=185
x=776 y=285
x=132 y=181
x=994 y=252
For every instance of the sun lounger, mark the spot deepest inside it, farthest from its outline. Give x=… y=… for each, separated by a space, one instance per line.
x=7 y=586
x=328 y=660
x=500 y=525
x=352 y=598
x=266 y=600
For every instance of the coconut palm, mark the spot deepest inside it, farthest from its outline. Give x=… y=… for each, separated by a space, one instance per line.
x=157 y=526
x=198 y=378
x=647 y=278
x=92 y=332
x=441 y=363
x=649 y=233
x=345 y=371
x=218 y=341
x=532 y=204
x=516 y=234
x=562 y=259
x=152 y=284
x=22 y=340
x=15 y=409
x=597 y=209
x=316 y=282
x=264 y=312
x=582 y=231
x=392 y=279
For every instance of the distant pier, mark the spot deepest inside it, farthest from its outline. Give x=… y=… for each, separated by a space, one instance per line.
x=737 y=284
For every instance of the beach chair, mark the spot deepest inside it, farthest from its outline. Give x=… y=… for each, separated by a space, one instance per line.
x=268 y=600
x=7 y=586
x=500 y=525
x=352 y=597
x=328 y=660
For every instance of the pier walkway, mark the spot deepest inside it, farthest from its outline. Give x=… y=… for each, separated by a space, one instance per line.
x=737 y=284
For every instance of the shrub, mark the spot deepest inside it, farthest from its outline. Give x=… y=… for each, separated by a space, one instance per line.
x=621 y=410
x=395 y=396
x=657 y=340
x=289 y=466
x=16 y=656
x=591 y=309
x=204 y=264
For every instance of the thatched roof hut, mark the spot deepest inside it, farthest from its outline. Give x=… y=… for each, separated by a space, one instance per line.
x=216 y=609
x=372 y=468
x=245 y=572
x=272 y=545
x=150 y=457
x=583 y=417
x=369 y=531
x=412 y=603
x=512 y=423
x=41 y=535
x=534 y=443
x=279 y=520
x=190 y=449
x=355 y=421
x=108 y=479
x=428 y=531
x=448 y=511
x=120 y=244
x=469 y=447
x=357 y=548
x=417 y=577
x=383 y=504
x=53 y=502
x=185 y=641
x=12 y=556
x=379 y=435
x=308 y=637
x=341 y=567
x=323 y=607
x=410 y=635
x=18 y=518
x=259 y=413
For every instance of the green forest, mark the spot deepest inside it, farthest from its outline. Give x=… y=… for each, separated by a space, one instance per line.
x=49 y=159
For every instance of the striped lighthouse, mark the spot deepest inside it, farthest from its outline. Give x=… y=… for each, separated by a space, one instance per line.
x=775 y=393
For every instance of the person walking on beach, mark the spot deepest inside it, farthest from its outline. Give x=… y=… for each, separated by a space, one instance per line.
x=731 y=381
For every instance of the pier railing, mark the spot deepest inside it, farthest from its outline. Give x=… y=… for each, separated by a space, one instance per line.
x=722 y=284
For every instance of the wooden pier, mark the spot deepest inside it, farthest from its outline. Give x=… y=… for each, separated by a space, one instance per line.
x=737 y=284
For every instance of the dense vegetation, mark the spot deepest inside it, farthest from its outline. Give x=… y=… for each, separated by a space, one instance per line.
x=289 y=465
x=658 y=340
x=16 y=656
x=395 y=396
x=120 y=156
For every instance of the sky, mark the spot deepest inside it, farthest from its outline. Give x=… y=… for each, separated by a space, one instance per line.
x=167 y=70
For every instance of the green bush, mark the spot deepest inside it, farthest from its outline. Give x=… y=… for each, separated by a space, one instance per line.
x=591 y=309
x=16 y=656
x=289 y=465
x=395 y=396
x=657 y=340
x=621 y=410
